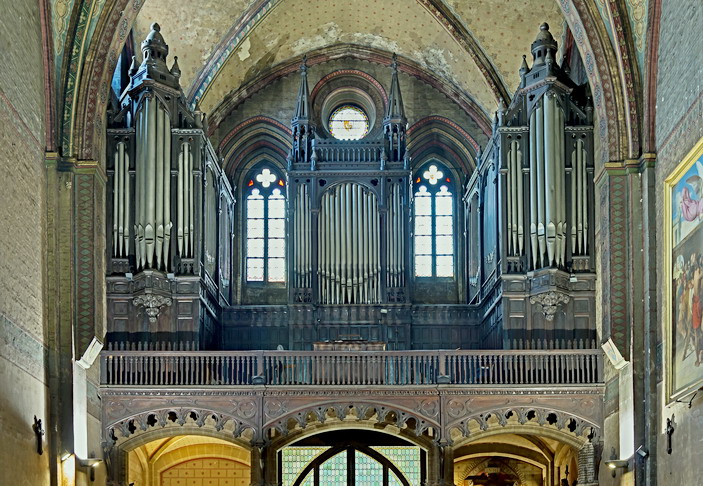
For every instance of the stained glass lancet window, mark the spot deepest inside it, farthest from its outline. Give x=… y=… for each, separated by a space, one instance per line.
x=434 y=222
x=348 y=123
x=265 y=225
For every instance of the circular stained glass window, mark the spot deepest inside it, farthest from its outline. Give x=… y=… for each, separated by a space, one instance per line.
x=348 y=123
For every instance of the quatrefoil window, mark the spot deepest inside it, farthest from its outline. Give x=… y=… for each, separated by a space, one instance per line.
x=433 y=174
x=266 y=178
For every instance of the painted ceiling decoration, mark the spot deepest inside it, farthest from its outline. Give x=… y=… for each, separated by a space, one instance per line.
x=471 y=51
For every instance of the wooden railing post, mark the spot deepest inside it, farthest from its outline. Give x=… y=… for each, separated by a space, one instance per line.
x=259 y=377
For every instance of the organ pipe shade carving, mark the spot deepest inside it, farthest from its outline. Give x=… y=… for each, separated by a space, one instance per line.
x=349 y=244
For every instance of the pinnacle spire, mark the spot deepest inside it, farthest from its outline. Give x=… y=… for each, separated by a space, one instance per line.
x=302 y=108
x=395 y=113
x=175 y=69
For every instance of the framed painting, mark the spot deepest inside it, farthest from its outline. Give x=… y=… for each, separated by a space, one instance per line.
x=683 y=244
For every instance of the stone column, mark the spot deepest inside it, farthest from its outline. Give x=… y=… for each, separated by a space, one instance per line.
x=270 y=466
x=257 y=465
x=587 y=461
x=440 y=464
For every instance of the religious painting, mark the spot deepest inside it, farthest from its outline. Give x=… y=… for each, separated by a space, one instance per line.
x=684 y=266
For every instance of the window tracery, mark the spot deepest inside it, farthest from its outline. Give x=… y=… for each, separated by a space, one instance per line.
x=265 y=226
x=348 y=123
x=434 y=222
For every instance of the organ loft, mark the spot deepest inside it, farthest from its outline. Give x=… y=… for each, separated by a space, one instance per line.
x=366 y=243
x=350 y=239
x=352 y=257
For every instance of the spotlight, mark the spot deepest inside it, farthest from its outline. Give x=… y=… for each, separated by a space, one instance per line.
x=90 y=464
x=615 y=464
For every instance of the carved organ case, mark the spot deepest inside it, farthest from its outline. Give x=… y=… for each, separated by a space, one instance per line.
x=170 y=213
x=349 y=206
x=534 y=258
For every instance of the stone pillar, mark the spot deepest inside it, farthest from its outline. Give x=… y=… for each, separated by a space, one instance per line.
x=115 y=464
x=269 y=465
x=587 y=465
x=257 y=465
x=440 y=464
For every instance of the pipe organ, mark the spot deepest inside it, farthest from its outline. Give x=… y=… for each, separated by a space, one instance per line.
x=544 y=150
x=348 y=217
x=527 y=266
x=535 y=261
x=152 y=226
x=168 y=193
x=348 y=246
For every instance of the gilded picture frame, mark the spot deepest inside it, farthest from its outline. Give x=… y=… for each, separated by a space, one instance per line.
x=683 y=280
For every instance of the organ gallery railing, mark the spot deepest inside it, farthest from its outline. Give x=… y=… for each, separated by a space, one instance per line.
x=392 y=368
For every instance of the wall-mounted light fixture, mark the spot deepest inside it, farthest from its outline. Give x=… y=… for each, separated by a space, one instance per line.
x=90 y=464
x=615 y=464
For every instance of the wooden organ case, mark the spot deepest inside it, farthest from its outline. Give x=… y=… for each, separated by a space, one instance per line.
x=349 y=210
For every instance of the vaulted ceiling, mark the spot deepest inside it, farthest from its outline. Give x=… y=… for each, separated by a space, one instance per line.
x=474 y=46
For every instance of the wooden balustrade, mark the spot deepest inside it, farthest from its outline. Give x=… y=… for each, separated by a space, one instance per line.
x=342 y=368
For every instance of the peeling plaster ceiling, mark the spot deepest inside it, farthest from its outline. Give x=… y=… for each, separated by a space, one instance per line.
x=506 y=30
x=198 y=32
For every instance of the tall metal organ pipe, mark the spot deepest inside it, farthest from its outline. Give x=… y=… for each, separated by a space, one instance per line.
x=579 y=197
x=348 y=245
x=395 y=227
x=301 y=238
x=547 y=184
x=185 y=200
x=515 y=217
x=121 y=202
x=153 y=185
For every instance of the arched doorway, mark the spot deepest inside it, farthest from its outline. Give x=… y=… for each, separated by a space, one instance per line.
x=182 y=460
x=352 y=458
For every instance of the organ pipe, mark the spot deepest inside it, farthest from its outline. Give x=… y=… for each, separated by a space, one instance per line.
x=515 y=211
x=153 y=185
x=302 y=228
x=121 y=202
x=348 y=250
x=579 y=208
x=533 y=190
x=185 y=201
x=394 y=238
x=547 y=218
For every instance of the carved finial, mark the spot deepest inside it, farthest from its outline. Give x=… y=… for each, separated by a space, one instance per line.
x=175 y=69
x=156 y=27
x=304 y=65
x=395 y=112
x=524 y=68
x=133 y=67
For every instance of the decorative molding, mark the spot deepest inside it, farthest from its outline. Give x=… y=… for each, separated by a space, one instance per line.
x=550 y=302
x=152 y=304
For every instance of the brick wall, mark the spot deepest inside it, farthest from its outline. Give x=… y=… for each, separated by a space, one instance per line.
x=679 y=126
x=22 y=208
